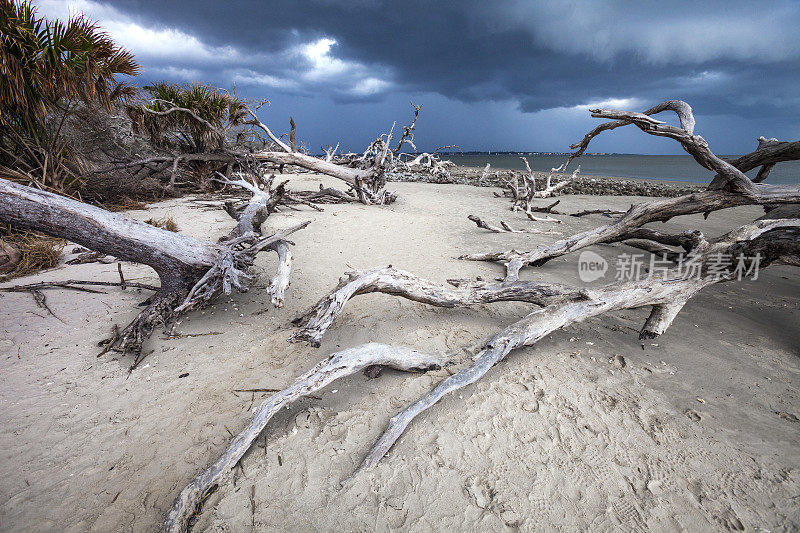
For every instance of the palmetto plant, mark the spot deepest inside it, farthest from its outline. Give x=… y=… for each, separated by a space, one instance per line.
x=190 y=118
x=47 y=68
x=195 y=123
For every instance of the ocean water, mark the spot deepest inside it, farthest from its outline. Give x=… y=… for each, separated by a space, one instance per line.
x=661 y=167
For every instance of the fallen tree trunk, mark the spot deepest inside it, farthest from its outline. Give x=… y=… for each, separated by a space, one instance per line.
x=192 y=272
x=368 y=182
x=333 y=367
x=358 y=179
x=637 y=216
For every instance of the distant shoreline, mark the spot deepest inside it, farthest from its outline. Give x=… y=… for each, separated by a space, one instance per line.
x=582 y=184
x=680 y=169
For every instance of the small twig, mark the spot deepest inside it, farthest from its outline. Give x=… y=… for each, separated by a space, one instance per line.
x=122 y=284
x=139 y=359
x=190 y=335
x=68 y=284
x=41 y=301
x=253 y=505
x=110 y=342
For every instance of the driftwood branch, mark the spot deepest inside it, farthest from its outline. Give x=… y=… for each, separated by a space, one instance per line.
x=505 y=228
x=606 y=212
x=406 y=285
x=368 y=182
x=335 y=366
x=523 y=191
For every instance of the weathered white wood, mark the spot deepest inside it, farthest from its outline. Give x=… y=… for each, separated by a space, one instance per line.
x=546 y=218
x=230 y=271
x=330 y=152
x=352 y=176
x=170 y=254
x=333 y=367
x=280 y=282
x=523 y=193
x=485 y=172
x=406 y=285
x=550 y=189
x=504 y=228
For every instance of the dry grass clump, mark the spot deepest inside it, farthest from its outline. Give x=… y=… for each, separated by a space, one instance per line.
x=26 y=252
x=166 y=223
x=126 y=204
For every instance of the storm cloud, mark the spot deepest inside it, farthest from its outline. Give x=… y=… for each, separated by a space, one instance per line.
x=513 y=75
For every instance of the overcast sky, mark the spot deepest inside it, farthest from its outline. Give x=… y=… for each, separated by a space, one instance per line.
x=491 y=75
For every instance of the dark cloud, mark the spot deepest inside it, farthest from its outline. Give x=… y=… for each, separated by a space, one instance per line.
x=727 y=58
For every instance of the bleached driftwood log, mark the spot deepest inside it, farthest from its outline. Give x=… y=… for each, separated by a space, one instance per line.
x=604 y=212
x=366 y=182
x=333 y=367
x=757 y=245
x=192 y=272
x=406 y=285
x=504 y=228
x=730 y=187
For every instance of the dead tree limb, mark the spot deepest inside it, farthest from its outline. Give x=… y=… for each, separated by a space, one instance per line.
x=77 y=285
x=524 y=191
x=330 y=151
x=550 y=188
x=485 y=172
x=406 y=285
x=326 y=195
x=366 y=178
x=407 y=137
x=546 y=208
x=333 y=367
x=504 y=228
x=546 y=218
x=357 y=178
x=255 y=211
x=425 y=162
x=605 y=212
x=638 y=215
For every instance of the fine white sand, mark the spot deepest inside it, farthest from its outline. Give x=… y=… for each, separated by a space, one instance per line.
x=698 y=431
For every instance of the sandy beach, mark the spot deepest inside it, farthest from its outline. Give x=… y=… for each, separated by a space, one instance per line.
x=696 y=430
